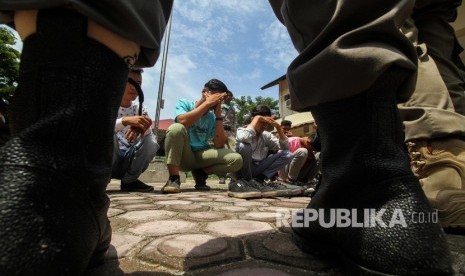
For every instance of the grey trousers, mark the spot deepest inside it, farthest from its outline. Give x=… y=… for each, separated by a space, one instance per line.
x=268 y=166
x=146 y=149
x=338 y=60
x=300 y=168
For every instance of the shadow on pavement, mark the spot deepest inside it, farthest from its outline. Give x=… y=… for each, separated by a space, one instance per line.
x=262 y=253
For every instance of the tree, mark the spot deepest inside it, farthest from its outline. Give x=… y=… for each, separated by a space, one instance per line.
x=9 y=63
x=244 y=106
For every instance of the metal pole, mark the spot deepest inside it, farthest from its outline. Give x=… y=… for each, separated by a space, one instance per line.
x=162 y=75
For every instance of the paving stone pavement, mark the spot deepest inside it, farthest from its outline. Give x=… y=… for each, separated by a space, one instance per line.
x=209 y=233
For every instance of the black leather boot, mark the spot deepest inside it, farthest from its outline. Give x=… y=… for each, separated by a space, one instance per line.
x=367 y=178
x=55 y=169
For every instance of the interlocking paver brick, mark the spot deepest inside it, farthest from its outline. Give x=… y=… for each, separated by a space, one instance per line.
x=144 y=206
x=289 y=204
x=209 y=233
x=125 y=198
x=162 y=197
x=206 y=216
x=187 y=208
x=122 y=244
x=114 y=212
x=189 y=251
x=230 y=199
x=163 y=227
x=279 y=248
x=237 y=227
x=261 y=216
x=148 y=215
x=131 y=201
x=275 y=209
x=199 y=199
x=173 y=202
x=234 y=209
x=257 y=267
x=249 y=203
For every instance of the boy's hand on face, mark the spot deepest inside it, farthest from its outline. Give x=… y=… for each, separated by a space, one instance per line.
x=271 y=121
x=214 y=99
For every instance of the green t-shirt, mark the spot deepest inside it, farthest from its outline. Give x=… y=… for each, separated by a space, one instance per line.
x=202 y=131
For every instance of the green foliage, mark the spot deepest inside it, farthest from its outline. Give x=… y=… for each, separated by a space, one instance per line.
x=244 y=106
x=9 y=63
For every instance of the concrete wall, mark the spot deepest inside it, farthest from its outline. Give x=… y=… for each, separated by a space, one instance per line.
x=283 y=91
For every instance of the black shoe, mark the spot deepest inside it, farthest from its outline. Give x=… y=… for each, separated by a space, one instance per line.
x=202 y=188
x=200 y=177
x=286 y=190
x=296 y=182
x=172 y=187
x=242 y=189
x=136 y=186
x=260 y=185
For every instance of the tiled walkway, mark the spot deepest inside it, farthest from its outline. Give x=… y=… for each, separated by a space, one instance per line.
x=209 y=233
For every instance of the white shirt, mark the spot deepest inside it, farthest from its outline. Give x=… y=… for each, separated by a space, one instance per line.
x=260 y=144
x=121 y=130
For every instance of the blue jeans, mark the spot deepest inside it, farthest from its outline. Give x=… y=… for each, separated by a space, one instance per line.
x=268 y=166
x=145 y=150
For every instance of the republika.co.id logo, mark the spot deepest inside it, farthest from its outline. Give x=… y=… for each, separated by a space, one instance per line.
x=340 y=217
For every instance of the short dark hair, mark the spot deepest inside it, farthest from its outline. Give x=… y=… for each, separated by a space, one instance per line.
x=216 y=85
x=286 y=123
x=262 y=110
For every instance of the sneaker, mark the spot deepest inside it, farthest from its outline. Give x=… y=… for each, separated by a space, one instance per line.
x=136 y=186
x=295 y=182
x=200 y=177
x=202 y=188
x=288 y=190
x=222 y=180
x=260 y=185
x=172 y=187
x=242 y=189
x=440 y=167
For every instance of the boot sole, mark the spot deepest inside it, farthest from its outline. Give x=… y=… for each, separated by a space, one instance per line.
x=245 y=194
x=269 y=194
x=326 y=250
x=320 y=249
x=288 y=193
x=138 y=190
x=170 y=191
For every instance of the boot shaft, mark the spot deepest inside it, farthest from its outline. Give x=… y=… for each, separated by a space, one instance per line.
x=365 y=167
x=362 y=136
x=69 y=93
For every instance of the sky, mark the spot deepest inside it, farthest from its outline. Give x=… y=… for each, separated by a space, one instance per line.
x=239 y=42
